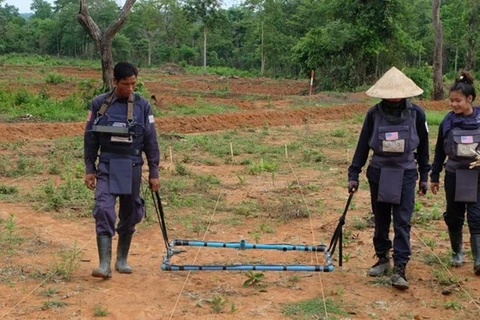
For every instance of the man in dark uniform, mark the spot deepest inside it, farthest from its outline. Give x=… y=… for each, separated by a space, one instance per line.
x=393 y=129
x=119 y=128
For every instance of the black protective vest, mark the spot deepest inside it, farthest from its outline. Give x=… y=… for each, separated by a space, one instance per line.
x=461 y=146
x=393 y=145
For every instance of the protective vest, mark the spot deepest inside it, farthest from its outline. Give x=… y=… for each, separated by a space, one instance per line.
x=393 y=145
x=461 y=147
x=120 y=131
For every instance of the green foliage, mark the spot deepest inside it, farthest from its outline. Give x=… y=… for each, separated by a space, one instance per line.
x=423 y=77
x=253 y=279
x=217 y=303
x=70 y=261
x=306 y=309
x=100 y=311
x=54 y=78
x=262 y=166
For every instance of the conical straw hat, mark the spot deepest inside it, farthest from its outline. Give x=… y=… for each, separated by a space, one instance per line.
x=394 y=85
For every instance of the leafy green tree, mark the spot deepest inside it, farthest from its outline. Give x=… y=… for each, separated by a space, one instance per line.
x=41 y=9
x=205 y=12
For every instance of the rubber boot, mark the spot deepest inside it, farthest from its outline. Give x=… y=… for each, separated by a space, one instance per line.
x=104 y=245
x=475 y=242
x=381 y=267
x=456 y=243
x=399 y=280
x=121 y=264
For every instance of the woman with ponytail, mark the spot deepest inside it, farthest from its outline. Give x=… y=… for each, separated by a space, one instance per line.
x=457 y=149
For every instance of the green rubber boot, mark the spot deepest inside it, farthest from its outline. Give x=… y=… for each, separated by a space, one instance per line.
x=121 y=264
x=104 y=245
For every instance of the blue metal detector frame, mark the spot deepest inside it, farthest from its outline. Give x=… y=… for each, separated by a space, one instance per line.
x=243 y=245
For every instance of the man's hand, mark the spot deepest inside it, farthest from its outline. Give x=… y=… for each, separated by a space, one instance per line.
x=154 y=184
x=352 y=186
x=434 y=186
x=90 y=180
x=422 y=188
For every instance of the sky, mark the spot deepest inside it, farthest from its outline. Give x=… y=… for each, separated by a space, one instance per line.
x=24 y=5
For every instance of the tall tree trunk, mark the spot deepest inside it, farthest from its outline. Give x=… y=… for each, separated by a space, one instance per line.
x=438 y=52
x=103 y=41
x=204 y=49
x=262 y=51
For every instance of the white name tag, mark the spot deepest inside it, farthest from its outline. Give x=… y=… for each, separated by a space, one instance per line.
x=150 y=119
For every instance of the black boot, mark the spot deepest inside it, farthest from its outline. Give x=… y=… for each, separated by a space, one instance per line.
x=122 y=253
x=475 y=242
x=456 y=243
x=399 y=280
x=381 y=267
x=104 y=245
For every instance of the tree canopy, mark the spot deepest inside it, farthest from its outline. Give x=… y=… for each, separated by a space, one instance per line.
x=349 y=43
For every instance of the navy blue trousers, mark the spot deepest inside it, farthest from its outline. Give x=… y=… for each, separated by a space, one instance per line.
x=401 y=213
x=455 y=213
x=131 y=207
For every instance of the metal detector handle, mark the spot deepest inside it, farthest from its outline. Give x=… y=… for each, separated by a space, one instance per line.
x=338 y=234
x=160 y=216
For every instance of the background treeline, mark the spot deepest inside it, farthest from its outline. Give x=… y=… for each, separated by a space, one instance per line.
x=347 y=42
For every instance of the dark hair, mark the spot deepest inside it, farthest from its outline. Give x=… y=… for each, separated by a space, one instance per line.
x=124 y=70
x=464 y=83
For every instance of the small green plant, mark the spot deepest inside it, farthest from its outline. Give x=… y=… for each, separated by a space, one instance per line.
x=70 y=260
x=453 y=305
x=217 y=303
x=263 y=166
x=444 y=279
x=49 y=304
x=10 y=236
x=54 y=78
x=312 y=309
x=181 y=169
x=4 y=189
x=100 y=311
x=50 y=292
x=253 y=279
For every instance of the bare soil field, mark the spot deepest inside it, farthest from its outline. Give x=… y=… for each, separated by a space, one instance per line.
x=281 y=111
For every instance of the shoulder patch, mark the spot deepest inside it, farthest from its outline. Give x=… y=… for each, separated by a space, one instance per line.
x=150 y=119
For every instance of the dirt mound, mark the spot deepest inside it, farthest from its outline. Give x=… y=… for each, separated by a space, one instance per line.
x=172 y=68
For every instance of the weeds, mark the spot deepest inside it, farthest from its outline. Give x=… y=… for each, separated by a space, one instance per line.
x=100 y=311
x=217 y=303
x=253 y=279
x=70 y=260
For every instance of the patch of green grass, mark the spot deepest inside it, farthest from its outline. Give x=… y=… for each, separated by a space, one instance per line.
x=69 y=262
x=100 y=311
x=49 y=304
x=313 y=309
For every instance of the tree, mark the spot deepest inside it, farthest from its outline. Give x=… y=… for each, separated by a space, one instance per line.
x=104 y=40
x=206 y=11
x=437 y=53
x=42 y=9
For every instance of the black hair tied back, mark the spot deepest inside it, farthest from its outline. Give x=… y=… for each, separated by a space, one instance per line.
x=465 y=77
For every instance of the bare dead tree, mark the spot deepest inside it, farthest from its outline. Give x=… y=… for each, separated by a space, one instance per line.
x=103 y=40
x=438 y=93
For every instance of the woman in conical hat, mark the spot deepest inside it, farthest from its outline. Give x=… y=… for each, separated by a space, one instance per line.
x=396 y=131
